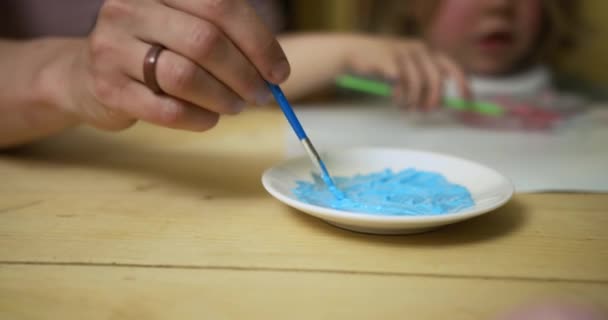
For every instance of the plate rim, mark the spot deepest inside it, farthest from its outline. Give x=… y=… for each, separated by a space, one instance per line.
x=367 y=217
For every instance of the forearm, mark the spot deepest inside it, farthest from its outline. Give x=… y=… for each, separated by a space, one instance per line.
x=316 y=59
x=29 y=89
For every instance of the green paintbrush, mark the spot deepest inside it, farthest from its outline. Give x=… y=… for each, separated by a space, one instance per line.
x=385 y=89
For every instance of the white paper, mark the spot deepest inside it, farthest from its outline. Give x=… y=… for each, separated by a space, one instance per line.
x=574 y=158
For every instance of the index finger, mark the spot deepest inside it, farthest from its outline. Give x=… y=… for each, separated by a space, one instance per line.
x=241 y=24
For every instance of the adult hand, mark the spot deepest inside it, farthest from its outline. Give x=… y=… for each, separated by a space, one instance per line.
x=217 y=54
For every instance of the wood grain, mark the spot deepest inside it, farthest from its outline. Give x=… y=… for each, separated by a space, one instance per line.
x=158 y=197
x=85 y=292
x=153 y=223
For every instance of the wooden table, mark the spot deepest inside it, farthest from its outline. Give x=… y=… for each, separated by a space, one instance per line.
x=159 y=224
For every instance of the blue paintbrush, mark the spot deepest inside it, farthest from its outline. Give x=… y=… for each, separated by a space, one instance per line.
x=297 y=128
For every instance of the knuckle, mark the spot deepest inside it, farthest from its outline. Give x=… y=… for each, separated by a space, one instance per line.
x=171 y=113
x=203 y=40
x=251 y=86
x=110 y=118
x=100 y=46
x=440 y=56
x=417 y=46
x=104 y=91
x=434 y=73
x=180 y=76
x=116 y=9
x=219 y=8
x=402 y=48
x=105 y=110
x=227 y=105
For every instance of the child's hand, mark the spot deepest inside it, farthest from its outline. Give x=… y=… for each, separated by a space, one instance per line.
x=419 y=72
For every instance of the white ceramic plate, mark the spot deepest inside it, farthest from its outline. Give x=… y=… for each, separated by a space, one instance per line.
x=488 y=188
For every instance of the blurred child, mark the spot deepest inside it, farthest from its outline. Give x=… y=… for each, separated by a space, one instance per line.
x=440 y=40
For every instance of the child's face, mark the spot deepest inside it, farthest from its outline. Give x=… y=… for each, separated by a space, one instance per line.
x=486 y=36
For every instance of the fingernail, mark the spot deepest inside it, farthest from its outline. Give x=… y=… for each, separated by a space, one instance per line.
x=239 y=106
x=280 y=71
x=263 y=96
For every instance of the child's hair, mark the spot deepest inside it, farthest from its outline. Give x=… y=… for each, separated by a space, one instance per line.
x=560 y=29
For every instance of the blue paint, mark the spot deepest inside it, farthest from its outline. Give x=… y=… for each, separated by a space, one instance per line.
x=405 y=193
x=335 y=191
x=279 y=96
